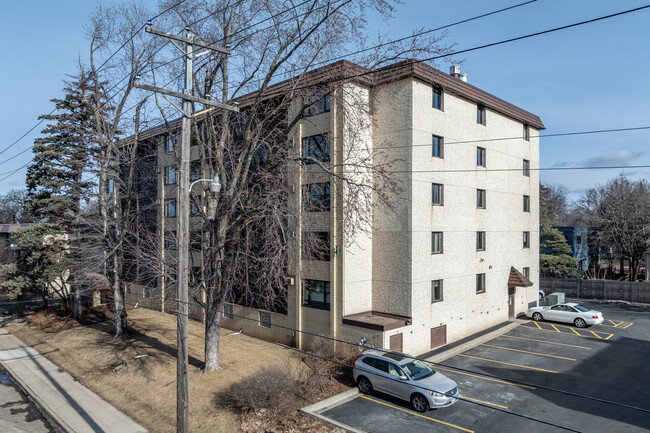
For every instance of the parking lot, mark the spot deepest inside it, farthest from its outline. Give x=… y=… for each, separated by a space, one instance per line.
x=538 y=377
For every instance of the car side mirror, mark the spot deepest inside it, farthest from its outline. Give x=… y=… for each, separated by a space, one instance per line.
x=404 y=378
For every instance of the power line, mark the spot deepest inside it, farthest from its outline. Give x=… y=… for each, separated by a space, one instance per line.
x=102 y=65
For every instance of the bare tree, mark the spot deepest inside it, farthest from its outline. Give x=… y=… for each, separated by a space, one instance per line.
x=114 y=30
x=12 y=208
x=553 y=205
x=246 y=228
x=619 y=214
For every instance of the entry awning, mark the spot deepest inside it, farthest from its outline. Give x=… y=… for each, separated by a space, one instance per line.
x=516 y=279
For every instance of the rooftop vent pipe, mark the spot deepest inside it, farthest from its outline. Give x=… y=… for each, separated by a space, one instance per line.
x=454 y=71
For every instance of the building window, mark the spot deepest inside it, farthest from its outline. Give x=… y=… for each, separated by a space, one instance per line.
x=526 y=239
x=480 y=114
x=317 y=197
x=437 y=98
x=436 y=242
x=438 y=147
x=480 y=198
x=316 y=294
x=480 y=241
x=170 y=142
x=436 y=195
x=170 y=175
x=578 y=240
x=170 y=240
x=480 y=157
x=316 y=245
x=323 y=105
x=316 y=148
x=480 y=283
x=526 y=272
x=526 y=167
x=194 y=210
x=526 y=133
x=436 y=291
x=170 y=208
x=195 y=170
x=526 y=203
x=110 y=186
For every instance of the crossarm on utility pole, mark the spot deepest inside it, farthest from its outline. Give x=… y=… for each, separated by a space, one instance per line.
x=185 y=97
x=187 y=40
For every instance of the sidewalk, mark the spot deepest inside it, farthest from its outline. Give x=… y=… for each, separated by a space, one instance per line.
x=71 y=405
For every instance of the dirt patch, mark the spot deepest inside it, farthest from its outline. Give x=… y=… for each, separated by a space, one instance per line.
x=138 y=375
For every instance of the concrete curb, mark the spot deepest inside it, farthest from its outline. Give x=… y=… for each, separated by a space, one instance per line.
x=475 y=342
x=316 y=409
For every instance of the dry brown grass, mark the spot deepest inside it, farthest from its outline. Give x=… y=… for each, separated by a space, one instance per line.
x=145 y=388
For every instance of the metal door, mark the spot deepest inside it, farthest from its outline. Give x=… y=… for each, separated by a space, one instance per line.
x=511 y=306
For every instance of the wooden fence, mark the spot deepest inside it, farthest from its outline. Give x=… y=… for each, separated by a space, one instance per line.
x=597 y=289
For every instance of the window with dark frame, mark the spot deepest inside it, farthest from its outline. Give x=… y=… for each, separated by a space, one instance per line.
x=526 y=167
x=436 y=291
x=316 y=246
x=316 y=197
x=525 y=272
x=481 y=198
x=170 y=208
x=480 y=114
x=317 y=148
x=437 y=98
x=481 y=157
x=526 y=239
x=437 y=194
x=195 y=170
x=480 y=241
x=438 y=147
x=323 y=105
x=316 y=294
x=436 y=242
x=194 y=210
x=110 y=186
x=526 y=132
x=170 y=240
x=480 y=283
x=526 y=203
x=170 y=175
x=170 y=142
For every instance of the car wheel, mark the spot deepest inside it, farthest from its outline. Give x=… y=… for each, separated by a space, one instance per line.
x=580 y=323
x=419 y=403
x=537 y=317
x=364 y=385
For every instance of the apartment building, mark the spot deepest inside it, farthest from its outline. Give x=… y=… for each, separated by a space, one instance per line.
x=459 y=251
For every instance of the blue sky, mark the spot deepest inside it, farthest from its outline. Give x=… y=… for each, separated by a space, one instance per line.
x=591 y=77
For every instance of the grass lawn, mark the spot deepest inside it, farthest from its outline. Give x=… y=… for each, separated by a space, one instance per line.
x=145 y=388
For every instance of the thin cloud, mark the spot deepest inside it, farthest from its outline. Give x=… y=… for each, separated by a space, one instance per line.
x=622 y=157
x=562 y=163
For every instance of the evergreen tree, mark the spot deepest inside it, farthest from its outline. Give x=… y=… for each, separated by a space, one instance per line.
x=555 y=259
x=57 y=179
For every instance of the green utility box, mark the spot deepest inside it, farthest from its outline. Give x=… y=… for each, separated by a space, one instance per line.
x=554 y=298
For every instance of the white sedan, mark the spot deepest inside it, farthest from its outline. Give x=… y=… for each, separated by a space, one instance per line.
x=568 y=312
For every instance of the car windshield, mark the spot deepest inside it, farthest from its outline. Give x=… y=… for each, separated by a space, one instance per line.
x=581 y=308
x=417 y=370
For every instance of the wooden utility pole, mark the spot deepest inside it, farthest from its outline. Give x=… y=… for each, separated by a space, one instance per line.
x=183 y=199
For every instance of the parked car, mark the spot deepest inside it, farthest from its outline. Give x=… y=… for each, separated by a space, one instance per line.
x=568 y=312
x=404 y=377
x=541 y=294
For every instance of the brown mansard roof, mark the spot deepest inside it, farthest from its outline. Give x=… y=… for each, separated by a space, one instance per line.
x=345 y=70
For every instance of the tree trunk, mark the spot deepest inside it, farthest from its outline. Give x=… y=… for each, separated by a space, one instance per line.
x=119 y=312
x=212 y=328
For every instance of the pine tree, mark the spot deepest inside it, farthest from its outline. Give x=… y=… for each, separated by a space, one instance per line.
x=556 y=260
x=57 y=179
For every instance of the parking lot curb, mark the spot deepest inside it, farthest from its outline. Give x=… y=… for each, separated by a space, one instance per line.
x=474 y=342
x=316 y=409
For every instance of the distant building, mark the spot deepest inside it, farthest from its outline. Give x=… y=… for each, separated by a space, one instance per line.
x=6 y=239
x=576 y=237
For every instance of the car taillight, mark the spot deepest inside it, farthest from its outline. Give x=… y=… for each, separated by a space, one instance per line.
x=594 y=317
x=354 y=363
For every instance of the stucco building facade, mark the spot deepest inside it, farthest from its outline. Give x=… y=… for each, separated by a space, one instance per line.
x=459 y=251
